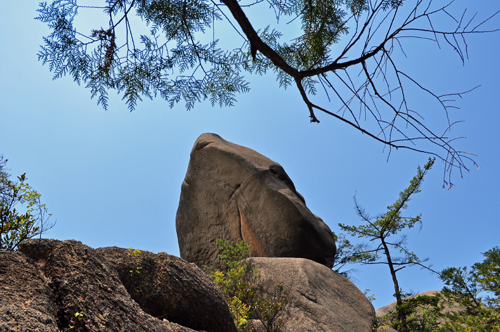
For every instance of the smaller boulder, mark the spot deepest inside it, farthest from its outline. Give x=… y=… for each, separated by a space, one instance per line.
x=320 y=300
x=168 y=287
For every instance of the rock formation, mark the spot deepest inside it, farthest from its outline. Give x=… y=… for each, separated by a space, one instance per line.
x=72 y=278
x=230 y=192
x=168 y=287
x=320 y=300
x=234 y=193
x=26 y=299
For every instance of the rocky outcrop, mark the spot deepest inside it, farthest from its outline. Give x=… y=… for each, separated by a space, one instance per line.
x=234 y=193
x=26 y=299
x=320 y=300
x=168 y=287
x=71 y=278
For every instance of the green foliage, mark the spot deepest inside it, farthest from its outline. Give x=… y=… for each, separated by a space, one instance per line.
x=134 y=253
x=202 y=70
x=370 y=297
x=268 y=310
x=76 y=323
x=322 y=46
x=172 y=60
x=231 y=255
x=135 y=269
x=468 y=303
x=421 y=314
x=465 y=287
x=348 y=253
x=22 y=215
x=244 y=302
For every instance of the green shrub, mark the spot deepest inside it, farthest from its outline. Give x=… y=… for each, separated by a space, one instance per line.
x=233 y=279
x=22 y=215
x=473 y=294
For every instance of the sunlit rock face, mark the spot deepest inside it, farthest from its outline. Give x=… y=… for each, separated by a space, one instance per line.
x=234 y=193
x=319 y=299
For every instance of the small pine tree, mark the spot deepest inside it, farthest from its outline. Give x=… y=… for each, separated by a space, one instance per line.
x=386 y=225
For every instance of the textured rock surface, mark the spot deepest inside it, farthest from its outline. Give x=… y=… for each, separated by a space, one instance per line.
x=25 y=297
x=234 y=193
x=70 y=277
x=168 y=287
x=320 y=300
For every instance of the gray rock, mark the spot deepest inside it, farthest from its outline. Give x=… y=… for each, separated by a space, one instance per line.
x=234 y=193
x=320 y=300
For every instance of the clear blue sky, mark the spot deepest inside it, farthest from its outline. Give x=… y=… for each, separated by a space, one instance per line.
x=113 y=178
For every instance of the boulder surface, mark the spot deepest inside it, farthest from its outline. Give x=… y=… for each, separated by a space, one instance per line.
x=26 y=299
x=233 y=193
x=105 y=290
x=320 y=300
x=168 y=287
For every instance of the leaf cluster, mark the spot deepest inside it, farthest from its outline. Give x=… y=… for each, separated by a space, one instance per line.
x=469 y=301
x=477 y=291
x=170 y=62
x=22 y=215
x=381 y=230
x=135 y=269
x=348 y=253
x=421 y=314
x=233 y=279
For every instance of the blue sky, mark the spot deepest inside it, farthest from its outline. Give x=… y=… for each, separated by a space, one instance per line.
x=113 y=178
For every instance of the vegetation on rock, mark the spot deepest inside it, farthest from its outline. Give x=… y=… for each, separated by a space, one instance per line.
x=22 y=215
x=470 y=301
x=424 y=313
x=233 y=279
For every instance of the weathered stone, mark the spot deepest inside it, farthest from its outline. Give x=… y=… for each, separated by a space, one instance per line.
x=320 y=300
x=98 y=284
x=82 y=282
x=25 y=298
x=234 y=193
x=168 y=287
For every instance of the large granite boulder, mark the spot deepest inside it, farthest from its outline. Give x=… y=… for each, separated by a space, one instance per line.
x=103 y=286
x=233 y=193
x=319 y=299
